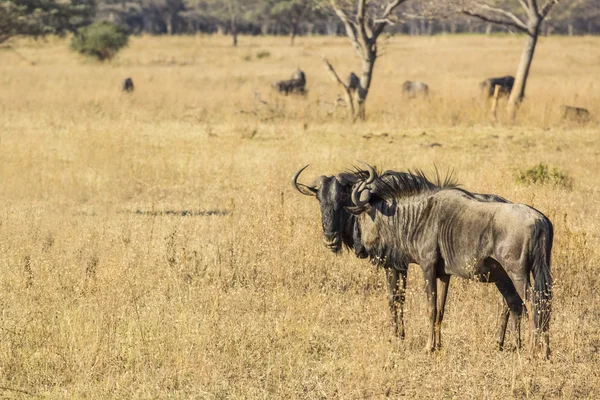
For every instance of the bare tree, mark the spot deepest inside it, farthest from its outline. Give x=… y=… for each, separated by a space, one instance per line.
x=364 y=24
x=535 y=15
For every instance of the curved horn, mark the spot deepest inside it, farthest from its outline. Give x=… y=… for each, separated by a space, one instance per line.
x=372 y=173
x=305 y=190
x=357 y=194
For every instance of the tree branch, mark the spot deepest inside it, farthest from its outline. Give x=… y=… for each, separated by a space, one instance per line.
x=334 y=74
x=533 y=6
x=506 y=13
x=547 y=7
x=351 y=29
x=360 y=21
x=524 y=6
x=347 y=92
x=494 y=20
x=382 y=21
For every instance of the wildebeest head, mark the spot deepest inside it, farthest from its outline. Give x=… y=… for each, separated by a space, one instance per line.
x=334 y=196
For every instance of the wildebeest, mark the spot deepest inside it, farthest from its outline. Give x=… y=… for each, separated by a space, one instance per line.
x=127 y=85
x=412 y=89
x=353 y=81
x=395 y=263
x=447 y=231
x=506 y=83
x=295 y=85
x=342 y=228
x=578 y=114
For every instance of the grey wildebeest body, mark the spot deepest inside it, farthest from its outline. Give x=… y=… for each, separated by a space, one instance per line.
x=412 y=89
x=506 y=84
x=395 y=262
x=447 y=231
x=342 y=228
x=577 y=114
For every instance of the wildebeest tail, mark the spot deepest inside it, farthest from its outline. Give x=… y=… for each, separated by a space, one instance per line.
x=542 y=296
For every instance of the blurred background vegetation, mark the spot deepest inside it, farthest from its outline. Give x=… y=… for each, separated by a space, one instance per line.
x=266 y=17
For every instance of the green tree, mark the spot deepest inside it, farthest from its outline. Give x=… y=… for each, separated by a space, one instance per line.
x=227 y=15
x=101 y=40
x=43 y=17
x=291 y=14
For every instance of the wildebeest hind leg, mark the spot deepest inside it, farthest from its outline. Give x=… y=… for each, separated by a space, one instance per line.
x=521 y=285
x=513 y=306
x=444 y=283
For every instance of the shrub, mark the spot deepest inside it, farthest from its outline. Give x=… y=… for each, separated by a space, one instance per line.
x=542 y=175
x=101 y=40
x=263 y=54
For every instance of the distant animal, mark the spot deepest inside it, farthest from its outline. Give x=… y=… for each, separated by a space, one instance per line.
x=578 y=114
x=341 y=227
x=506 y=84
x=353 y=81
x=447 y=231
x=295 y=85
x=127 y=85
x=412 y=89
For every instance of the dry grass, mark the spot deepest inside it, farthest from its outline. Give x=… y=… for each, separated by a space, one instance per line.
x=103 y=297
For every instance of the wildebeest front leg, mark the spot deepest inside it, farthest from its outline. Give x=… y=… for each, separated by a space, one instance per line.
x=430 y=287
x=396 y=281
x=502 y=324
x=444 y=283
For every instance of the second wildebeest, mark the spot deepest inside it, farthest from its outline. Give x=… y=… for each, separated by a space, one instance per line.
x=342 y=228
x=412 y=89
x=505 y=83
x=395 y=263
x=447 y=231
x=127 y=85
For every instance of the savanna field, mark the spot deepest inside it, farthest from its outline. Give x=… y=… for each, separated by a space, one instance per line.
x=151 y=244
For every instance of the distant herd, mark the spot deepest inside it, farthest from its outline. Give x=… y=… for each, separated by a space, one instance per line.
x=410 y=90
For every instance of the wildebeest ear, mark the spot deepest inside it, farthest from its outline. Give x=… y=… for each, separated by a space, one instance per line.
x=317 y=183
x=343 y=180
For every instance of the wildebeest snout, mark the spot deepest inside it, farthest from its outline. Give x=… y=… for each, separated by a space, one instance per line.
x=360 y=251
x=333 y=241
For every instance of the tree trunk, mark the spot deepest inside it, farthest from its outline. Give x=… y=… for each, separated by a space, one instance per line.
x=234 y=32
x=169 y=23
x=264 y=28
x=518 y=90
x=293 y=31
x=368 y=63
x=331 y=26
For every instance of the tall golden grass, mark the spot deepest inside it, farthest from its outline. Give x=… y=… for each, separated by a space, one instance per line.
x=116 y=282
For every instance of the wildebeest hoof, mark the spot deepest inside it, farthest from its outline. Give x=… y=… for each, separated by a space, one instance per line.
x=429 y=349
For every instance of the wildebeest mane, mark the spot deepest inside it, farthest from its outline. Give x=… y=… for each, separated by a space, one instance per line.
x=396 y=185
x=356 y=174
